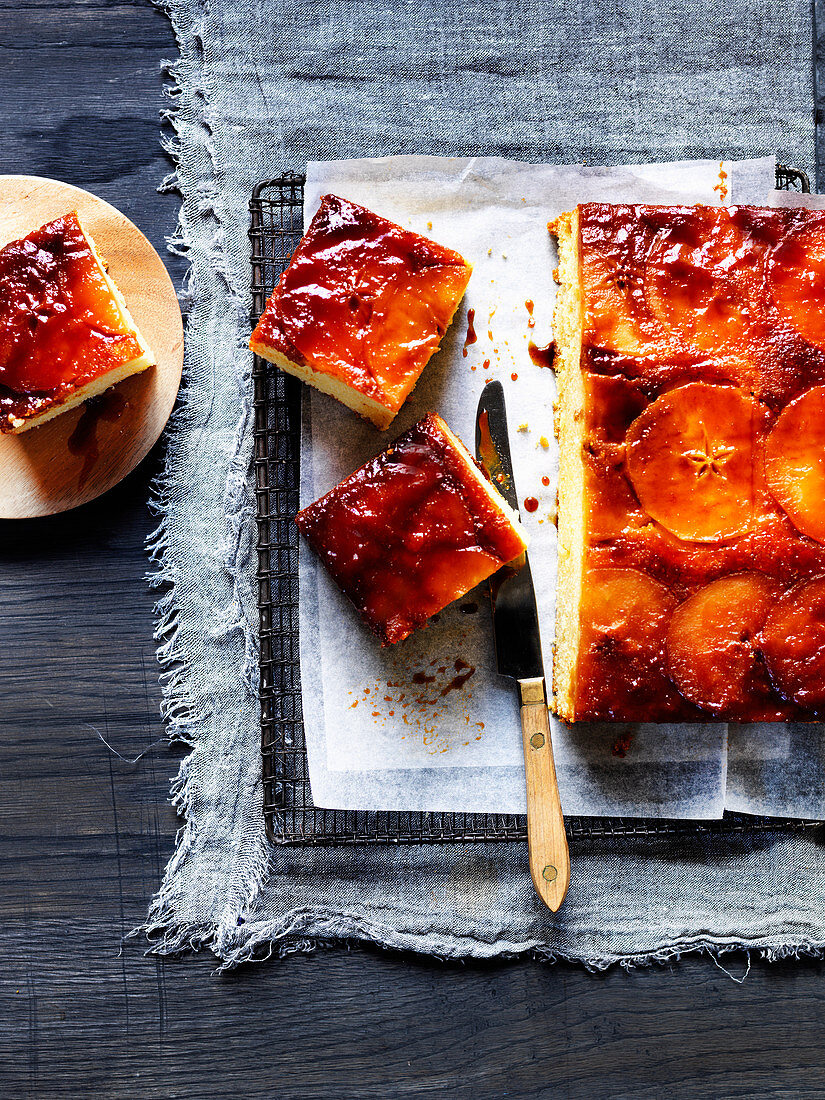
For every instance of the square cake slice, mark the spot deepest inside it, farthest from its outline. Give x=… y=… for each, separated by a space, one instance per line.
x=690 y=358
x=412 y=530
x=65 y=332
x=361 y=308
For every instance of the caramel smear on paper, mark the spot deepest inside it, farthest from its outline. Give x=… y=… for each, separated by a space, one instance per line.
x=423 y=701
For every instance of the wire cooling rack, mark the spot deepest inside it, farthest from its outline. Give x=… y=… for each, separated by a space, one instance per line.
x=277 y=225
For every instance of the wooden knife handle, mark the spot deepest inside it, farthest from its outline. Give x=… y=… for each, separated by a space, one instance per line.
x=546 y=838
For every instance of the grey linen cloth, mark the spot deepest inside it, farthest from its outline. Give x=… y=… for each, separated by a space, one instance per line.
x=259 y=88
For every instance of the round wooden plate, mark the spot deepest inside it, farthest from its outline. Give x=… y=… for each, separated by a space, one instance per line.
x=79 y=455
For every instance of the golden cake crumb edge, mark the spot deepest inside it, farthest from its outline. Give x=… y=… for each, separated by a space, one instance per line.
x=495 y=497
x=368 y=408
x=567 y=332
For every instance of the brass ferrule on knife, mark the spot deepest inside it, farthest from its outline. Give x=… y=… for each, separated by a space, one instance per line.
x=532 y=691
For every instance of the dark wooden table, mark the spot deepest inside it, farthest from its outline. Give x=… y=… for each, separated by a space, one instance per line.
x=85 y=834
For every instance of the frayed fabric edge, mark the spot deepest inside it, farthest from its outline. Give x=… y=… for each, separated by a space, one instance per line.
x=280 y=939
x=179 y=712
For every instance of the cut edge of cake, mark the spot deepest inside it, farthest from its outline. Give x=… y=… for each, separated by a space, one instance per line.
x=102 y=382
x=494 y=496
x=569 y=427
x=380 y=415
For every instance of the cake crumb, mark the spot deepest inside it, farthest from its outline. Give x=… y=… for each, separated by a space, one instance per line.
x=523 y=428
x=544 y=442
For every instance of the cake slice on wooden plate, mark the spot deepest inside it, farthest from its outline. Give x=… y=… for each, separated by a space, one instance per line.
x=690 y=362
x=66 y=333
x=412 y=530
x=361 y=308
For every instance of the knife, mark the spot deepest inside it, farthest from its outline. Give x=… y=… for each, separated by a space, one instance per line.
x=518 y=654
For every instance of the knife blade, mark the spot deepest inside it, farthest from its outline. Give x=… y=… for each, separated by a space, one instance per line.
x=518 y=655
x=515 y=618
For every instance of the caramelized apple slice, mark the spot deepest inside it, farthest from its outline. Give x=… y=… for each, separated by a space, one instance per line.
x=795 y=462
x=608 y=306
x=694 y=457
x=696 y=277
x=628 y=607
x=711 y=652
x=792 y=642
x=454 y=572
x=797 y=275
x=450 y=573
x=408 y=323
x=624 y=617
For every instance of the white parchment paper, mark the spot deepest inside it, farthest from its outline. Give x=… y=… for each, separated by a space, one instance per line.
x=406 y=727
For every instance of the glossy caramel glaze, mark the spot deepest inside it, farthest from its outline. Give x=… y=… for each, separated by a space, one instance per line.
x=542 y=356
x=409 y=532
x=700 y=327
x=60 y=326
x=363 y=300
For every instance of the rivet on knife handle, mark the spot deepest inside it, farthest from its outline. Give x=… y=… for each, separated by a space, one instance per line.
x=546 y=838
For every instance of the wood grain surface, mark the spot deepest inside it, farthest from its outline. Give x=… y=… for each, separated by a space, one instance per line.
x=85 y=833
x=84 y=452
x=546 y=838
